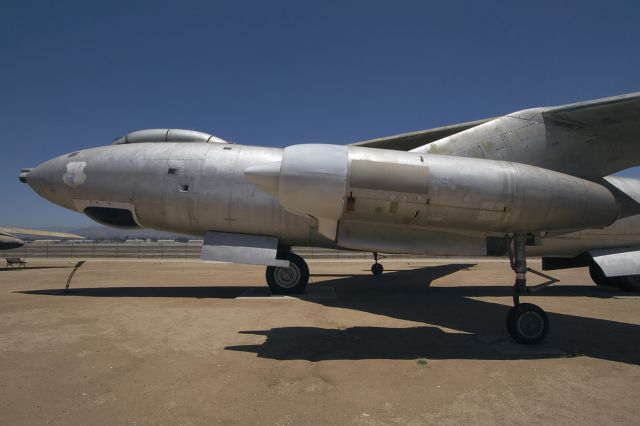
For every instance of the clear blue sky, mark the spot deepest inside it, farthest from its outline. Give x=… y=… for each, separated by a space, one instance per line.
x=79 y=74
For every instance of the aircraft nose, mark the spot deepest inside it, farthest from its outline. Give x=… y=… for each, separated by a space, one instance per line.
x=24 y=173
x=8 y=242
x=49 y=181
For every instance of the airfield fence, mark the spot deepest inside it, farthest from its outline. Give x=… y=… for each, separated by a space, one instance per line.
x=148 y=250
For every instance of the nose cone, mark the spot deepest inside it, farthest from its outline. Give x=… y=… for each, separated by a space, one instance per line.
x=8 y=242
x=24 y=173
x=55 y=180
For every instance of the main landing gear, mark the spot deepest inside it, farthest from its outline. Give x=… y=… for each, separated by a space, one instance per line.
x=526 y=322
x=291 y=280
x=377 y=268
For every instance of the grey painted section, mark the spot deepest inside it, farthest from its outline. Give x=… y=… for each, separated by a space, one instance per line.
x=241 y=248
x=386 y=176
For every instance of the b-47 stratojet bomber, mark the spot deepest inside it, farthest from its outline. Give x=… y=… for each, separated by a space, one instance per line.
x=533 y=182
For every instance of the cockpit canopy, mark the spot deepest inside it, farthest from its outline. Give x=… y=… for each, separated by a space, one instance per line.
x=167 y=135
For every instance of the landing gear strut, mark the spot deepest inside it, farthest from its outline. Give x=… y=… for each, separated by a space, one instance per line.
x=291 y=280
x=376 y=268
x=526 y=322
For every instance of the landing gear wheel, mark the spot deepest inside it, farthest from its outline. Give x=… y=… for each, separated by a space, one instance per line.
x=527 y=324
x=291 y=280
x=377 y=269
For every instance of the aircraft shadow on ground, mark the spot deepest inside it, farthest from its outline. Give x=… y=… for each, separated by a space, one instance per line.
x=196 y=292
x=407 y=295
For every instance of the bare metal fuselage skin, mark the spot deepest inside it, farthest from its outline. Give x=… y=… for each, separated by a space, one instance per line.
x=204 y=191
x=442 y=205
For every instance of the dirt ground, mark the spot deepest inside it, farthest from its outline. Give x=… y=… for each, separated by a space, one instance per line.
x=154 y=343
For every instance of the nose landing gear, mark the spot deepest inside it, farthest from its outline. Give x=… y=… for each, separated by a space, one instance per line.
x=526 y=323
x=376 y=268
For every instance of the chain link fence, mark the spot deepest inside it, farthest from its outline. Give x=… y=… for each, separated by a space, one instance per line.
x=148 y=250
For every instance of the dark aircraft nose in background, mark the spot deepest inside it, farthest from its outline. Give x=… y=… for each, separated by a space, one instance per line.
x=8 y=242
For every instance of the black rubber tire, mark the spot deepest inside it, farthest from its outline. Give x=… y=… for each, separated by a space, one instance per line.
x=627 y=282
x=291 y=280
x=377 y=269
x=598 y=276
x=527 y=324
x=510 y=321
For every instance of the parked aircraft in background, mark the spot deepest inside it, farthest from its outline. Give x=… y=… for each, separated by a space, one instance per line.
x=533 y=182
x=9 y=241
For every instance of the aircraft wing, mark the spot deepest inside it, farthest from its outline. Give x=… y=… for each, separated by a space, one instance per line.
x=38 y=232
x=409 y=141
x=619 y=115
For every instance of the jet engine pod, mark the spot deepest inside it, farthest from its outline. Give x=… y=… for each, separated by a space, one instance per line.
x=310 y=179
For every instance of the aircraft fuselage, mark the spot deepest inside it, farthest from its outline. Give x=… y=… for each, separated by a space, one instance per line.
x=453 y=204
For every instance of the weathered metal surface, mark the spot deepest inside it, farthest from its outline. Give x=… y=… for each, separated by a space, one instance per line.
x=241 y=248
x=411 y=140
x=205 y=190
x=408 y=240
x=588 y=139
x=386 y=200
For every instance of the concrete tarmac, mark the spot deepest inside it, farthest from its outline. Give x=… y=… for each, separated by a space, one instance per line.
x=155 y=343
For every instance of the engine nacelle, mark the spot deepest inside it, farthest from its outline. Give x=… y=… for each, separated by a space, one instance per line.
x=311 y=179
x=336 y=183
